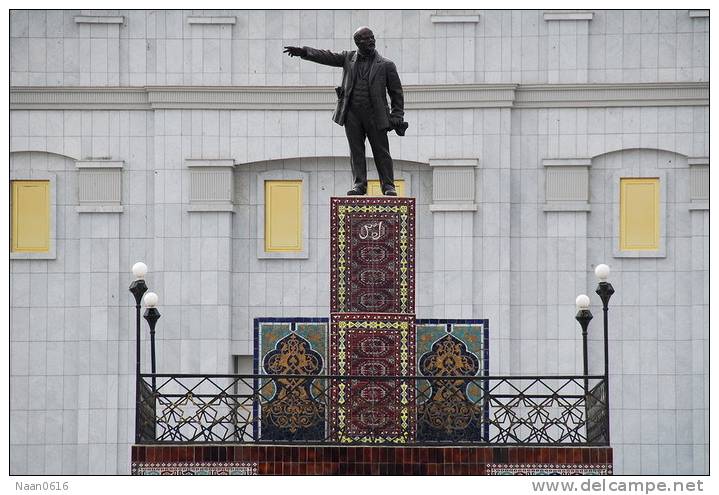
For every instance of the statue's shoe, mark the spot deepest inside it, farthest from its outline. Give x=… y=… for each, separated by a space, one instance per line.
x=356 y=192
x=390 y=192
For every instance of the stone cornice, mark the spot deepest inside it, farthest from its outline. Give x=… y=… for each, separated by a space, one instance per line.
x=323 y=98
x=80 y=98
x=99 y=163
x=698 y=14
x=459 y=96
x=99 y=19
x=612 y=95
x=567 y=162
x=568 y=15
x=209 y=162
x=247 y=97
x=211 y=20
x=454 y=162
x=701 y=160
x=454 y=18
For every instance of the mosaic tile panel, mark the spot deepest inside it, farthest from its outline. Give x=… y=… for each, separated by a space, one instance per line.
x=195 y=469
x=268 y=331
x=372 y=252
x=291 y=409
x=437 y=421
x=549 y=469
x=377 y=411
x=452 y=410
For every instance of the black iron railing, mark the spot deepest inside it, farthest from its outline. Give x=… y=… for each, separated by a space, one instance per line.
x=312 y=409
x=146 y=412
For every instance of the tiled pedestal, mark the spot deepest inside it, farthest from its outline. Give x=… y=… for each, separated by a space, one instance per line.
x=380 y=460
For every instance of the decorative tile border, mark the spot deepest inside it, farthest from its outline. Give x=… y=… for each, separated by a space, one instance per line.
x=195 y=469
x=549 y=469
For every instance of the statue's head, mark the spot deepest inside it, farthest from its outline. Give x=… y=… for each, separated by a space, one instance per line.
x=364 y=39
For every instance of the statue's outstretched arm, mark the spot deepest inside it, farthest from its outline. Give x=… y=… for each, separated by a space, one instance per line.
x=324 y=57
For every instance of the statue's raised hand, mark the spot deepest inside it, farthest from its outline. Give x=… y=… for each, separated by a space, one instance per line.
x=295 y=51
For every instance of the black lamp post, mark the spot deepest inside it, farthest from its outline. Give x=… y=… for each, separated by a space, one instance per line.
x=138 y=289
x=584 y=316
x=152 y=315
x=605 y=291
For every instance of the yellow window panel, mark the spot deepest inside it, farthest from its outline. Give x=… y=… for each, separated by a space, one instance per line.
x=283 y=216
x=639 y=214
x=30 y=216
x=375 y=189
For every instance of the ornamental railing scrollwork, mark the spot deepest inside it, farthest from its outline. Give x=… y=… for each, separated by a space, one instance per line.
x=446 y=409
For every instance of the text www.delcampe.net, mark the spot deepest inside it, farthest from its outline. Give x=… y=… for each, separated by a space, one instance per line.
x=604 y=485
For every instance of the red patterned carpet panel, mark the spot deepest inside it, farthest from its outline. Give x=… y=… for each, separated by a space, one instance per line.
x=372 y=345
x=372 y=255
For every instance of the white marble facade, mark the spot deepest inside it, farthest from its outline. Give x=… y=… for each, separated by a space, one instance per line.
x=504 y=98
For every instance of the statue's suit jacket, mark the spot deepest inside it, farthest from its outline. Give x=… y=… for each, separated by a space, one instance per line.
x=383 y=79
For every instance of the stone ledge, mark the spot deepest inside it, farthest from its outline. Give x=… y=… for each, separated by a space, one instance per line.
x=452 y=207
x=209 y=162
x=698 y=161
x=50 y=255
x=99 y=163
x=323 y=98
x=97 y=19
x=698 y=14
x=99 y=208
x=454 y=19
x=210 y=207
x=639 y=254
x=454 y=162
x=566 y=206
x=568 y=15
x=612 y=95
x=211 y=20
x=699 y=205
x=567 y=162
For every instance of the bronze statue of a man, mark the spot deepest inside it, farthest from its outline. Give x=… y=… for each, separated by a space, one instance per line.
x=362 y=108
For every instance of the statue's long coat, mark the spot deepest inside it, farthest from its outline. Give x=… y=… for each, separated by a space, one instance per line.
x=383 y=80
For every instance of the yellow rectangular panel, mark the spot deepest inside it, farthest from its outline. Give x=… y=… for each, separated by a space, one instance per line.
x=639 y=214
x=283 y=216
x=30 y=216
x=375 y=189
